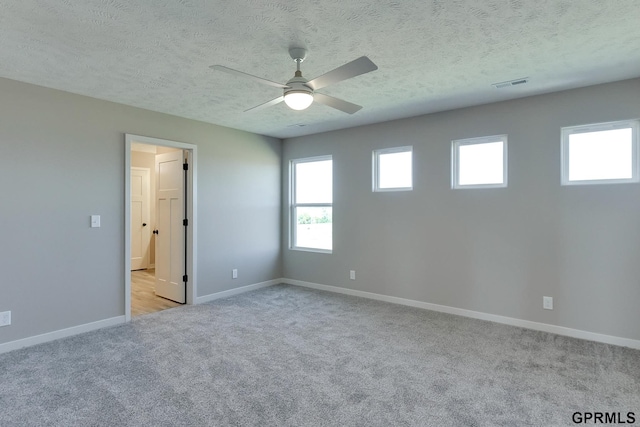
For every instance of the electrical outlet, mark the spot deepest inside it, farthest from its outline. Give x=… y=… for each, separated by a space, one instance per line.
x=234 y=273
x=5 y=318
x=352 y=275
x=547 y=303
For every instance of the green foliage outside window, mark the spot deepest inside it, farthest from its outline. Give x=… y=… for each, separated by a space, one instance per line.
x=324 y=218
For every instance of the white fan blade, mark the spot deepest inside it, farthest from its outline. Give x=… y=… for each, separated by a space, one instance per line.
x=240 y=73
x=266 y=104
x=354 y=68
x=336 y=103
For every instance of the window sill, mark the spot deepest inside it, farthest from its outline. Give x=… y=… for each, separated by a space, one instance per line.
x=316 y=250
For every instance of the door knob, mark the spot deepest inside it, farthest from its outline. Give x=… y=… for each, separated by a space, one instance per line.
x=155 y=231
x=144 y=224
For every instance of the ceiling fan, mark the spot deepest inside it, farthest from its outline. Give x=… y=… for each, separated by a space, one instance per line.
x=299 y=93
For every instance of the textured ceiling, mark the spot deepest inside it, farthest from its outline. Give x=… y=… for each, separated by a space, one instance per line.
x=432 y=55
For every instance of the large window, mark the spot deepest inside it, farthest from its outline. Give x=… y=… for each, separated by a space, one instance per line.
x=312 y=204
x=479 y=162
x=600 y=153
x=392 y=169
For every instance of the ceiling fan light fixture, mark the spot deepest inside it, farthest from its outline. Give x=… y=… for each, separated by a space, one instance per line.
x=298 y=100
x=299 y=93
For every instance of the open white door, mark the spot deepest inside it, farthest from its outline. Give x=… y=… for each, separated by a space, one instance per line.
x=170 y=230
x=140 y=214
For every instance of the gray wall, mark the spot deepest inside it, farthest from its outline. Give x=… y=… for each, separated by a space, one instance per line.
x=62 y=159
x=495 y=251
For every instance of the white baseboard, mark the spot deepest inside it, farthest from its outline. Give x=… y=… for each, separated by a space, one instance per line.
x=61 y=333
x=544 y=327
x=236 y=291
x=87 y=327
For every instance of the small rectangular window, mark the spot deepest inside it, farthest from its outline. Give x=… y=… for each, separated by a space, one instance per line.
x=392 y=169
x=479 y=162
x=312 y=204
x=600 y=153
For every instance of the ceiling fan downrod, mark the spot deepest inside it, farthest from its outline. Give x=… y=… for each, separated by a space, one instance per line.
x=298 y=95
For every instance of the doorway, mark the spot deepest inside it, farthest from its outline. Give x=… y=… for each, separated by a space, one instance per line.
x=160 y=200
x=144 y=299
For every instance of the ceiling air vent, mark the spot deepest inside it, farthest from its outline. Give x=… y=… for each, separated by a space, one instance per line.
x=511 y=83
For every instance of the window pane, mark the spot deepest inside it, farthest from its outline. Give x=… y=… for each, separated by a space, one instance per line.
x=394 y=170
x=314 y=182
x=314 y=227
x=481 y=163
x=601 y=155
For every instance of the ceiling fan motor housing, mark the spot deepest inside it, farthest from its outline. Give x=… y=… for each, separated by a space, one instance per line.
x=298 y=95
x=298 y=84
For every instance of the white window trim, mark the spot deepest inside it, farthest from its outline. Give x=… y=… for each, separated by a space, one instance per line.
x=376 y=168
x=293 y=205
x=597 y=127
x=475 y=141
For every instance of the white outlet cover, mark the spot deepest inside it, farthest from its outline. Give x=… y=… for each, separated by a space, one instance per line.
x=5 y=318
x=352 y=275
x=547 y=303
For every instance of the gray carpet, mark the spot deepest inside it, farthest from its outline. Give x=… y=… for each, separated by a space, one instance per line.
x=289 y=356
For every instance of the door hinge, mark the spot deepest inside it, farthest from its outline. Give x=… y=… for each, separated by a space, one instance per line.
x=185 y=166
x=185 y=278
x=185 y=222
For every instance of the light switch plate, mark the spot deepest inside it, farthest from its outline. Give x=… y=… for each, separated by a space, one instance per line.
x=95 y=221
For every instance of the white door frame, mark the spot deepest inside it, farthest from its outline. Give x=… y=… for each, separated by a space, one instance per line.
x=192 y=198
